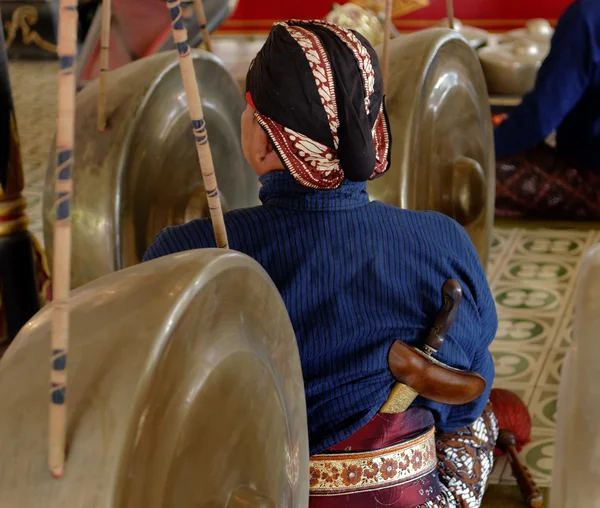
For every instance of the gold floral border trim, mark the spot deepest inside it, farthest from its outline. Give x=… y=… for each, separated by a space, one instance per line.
x=342 y=473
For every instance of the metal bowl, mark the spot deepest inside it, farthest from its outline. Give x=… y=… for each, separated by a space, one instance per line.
x=511 y=68
x=536 y=30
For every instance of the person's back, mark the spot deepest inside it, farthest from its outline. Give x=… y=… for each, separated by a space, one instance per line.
x=356 y=276
x=566 y=97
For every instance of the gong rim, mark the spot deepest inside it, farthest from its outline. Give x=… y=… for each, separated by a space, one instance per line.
x=143 y=172
x=437 y=104
x=131 y=379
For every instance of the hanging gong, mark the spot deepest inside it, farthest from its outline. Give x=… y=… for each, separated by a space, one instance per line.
x=142 y=174
x=442 y=141
x=185 y=390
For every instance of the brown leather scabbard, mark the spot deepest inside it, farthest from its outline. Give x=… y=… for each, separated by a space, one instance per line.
x=432 y=379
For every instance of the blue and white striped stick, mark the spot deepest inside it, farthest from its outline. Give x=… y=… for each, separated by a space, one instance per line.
x=192 y=93
x=65 y=134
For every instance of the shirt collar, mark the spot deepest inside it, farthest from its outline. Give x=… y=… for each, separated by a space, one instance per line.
x=279 y=188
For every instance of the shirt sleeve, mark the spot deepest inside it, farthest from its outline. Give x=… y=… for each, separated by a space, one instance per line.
x=561 y=81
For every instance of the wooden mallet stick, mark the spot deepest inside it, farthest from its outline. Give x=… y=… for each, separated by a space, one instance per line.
x=104 y=62
x=201 y=15
x=65 y=136
x=186 y=64
x=387 y=34
x=450 y=13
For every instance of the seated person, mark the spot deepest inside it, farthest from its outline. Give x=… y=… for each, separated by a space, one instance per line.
x=355 y=275
x=534 y=179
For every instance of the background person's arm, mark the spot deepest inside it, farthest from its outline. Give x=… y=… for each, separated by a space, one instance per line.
x=561 y=81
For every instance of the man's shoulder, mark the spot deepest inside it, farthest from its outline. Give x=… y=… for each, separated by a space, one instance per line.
x=199 y=233
x=424 y=223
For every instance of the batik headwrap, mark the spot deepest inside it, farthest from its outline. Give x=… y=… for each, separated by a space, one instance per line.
x=317 y=91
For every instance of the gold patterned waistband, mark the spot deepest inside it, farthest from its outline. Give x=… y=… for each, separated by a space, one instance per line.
x=335 y=474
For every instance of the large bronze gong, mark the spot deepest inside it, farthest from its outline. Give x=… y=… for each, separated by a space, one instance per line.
x=142 y=174
x=185 y=391
x=442 y=142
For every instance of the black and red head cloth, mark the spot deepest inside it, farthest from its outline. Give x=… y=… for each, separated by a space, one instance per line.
x=317 y=91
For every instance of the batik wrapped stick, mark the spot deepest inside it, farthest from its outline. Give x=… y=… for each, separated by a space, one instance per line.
x=202 y=23
x=104 y=62
x=387 y=34
x=65 y=130
x=190 y=84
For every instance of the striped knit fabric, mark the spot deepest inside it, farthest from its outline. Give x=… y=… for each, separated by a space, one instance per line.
x=355 y=276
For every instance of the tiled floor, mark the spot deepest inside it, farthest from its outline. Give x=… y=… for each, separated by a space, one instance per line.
x=532 y=274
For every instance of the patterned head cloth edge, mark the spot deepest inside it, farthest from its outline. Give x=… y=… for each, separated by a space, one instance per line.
x=317 y=91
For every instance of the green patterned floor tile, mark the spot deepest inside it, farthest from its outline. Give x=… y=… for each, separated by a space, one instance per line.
x=550 y=375
x=533 y=283
x=542 y=408
x=529 y=299
x=517 y=365
x=553 y=243
x=539 y=271
x=501 y=240
x=522 y=331
x=564 y=336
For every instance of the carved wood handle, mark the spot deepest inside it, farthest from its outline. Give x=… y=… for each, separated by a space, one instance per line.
x=529 y=489
x=451 y=298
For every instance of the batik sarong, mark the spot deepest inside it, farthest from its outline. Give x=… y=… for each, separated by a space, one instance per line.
x=399 y=461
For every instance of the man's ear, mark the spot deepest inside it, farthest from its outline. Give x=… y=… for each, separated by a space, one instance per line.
x=261 y=142
x=265 y=156
x=271 y=158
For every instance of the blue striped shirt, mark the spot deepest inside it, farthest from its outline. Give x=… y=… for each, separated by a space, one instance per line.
x=356 y=275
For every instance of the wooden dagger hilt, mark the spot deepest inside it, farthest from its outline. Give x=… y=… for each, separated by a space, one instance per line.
x=418 y=373
x=451 y=299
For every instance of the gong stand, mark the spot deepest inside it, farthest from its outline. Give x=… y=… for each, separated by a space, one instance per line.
x=17 y=269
